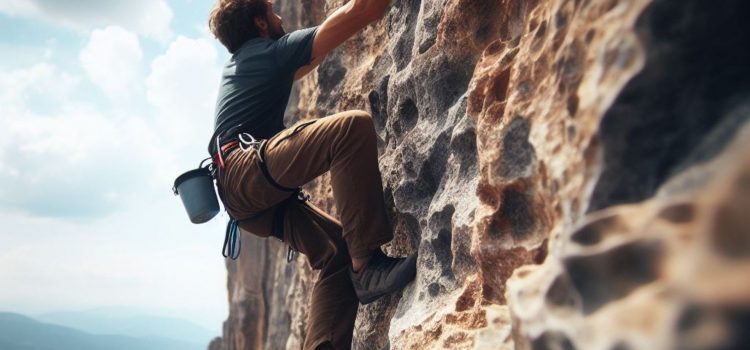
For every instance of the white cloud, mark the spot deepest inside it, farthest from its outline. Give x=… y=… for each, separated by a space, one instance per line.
x=88 y=184
x=112 y=60
x=74 y=164
x=40 y=80
x=24 y=91
x=62 y=157
x=18 y=7
x=150 y=18
x=149 y=256
x=182 y=86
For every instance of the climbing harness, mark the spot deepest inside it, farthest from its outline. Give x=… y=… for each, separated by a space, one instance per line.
x=247 y=143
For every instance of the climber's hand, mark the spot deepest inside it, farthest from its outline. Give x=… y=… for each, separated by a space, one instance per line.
x=340 y=26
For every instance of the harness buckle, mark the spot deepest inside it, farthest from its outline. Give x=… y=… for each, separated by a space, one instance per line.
x=248 y=142
x=302 y=196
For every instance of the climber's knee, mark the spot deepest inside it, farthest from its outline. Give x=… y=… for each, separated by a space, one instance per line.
x=360 y=122
x=354 y=116
x=353 y=129
x=358 y=113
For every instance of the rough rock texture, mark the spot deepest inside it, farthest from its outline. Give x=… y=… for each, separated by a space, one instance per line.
x=672 y=272
x=590 y=149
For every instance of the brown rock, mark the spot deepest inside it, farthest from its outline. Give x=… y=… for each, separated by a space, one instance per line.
x=588 y=136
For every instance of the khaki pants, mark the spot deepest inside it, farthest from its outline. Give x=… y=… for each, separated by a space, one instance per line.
x=345 y=145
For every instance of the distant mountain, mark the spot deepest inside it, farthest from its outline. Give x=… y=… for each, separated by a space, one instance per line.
x=132 y=325
x=18 y=332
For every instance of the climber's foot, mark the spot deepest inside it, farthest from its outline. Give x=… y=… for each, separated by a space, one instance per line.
x=383 y=275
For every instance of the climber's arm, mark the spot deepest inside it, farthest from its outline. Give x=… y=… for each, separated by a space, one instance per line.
x=341 y=25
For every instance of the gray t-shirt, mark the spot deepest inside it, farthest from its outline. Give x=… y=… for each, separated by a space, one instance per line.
x=256 y=84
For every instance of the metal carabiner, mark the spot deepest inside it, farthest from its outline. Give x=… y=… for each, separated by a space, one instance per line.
x=302 y=196
x=245 y=143
x=252 y=144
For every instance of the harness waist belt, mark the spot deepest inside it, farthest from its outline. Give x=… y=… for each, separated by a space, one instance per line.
x=218 y=157
x=277 y=226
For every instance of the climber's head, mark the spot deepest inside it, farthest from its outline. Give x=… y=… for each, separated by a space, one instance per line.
x=234 y=22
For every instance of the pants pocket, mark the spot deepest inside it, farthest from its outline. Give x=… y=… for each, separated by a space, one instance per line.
x=291 y=131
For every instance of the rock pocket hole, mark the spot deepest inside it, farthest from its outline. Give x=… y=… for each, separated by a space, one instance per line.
x=518 y=154
x=561 y=295
x=678 y=213
x=552 y=340
x=515 y=214
x=573 y=101
x=464 y=147
x=408 y=115
x=594 y=232
x=611 y=275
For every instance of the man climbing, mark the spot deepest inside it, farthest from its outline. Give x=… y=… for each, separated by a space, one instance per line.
x=262 y=164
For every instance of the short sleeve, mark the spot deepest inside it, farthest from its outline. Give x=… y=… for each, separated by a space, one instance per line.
x=294 y=49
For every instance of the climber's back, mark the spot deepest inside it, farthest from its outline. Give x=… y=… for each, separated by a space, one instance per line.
x=257 y=79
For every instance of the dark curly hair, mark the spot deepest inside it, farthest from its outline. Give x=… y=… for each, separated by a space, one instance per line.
x=231 y=21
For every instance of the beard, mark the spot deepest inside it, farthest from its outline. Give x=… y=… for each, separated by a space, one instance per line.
x=277 y=33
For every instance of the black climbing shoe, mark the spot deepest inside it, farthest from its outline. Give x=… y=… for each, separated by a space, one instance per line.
x=383 y=275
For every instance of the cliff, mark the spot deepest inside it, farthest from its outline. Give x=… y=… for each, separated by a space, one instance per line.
x=573 y=174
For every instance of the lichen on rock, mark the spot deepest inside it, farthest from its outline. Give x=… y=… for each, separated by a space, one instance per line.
x=573 y=174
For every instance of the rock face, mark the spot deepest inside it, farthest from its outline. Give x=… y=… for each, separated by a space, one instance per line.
x=573 y=174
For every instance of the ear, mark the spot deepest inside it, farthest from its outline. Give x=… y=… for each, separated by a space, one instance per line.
x=261 y=23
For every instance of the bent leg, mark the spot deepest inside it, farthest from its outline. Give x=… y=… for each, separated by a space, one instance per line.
x=333 y=305
x=346 y=144
x=333 y=310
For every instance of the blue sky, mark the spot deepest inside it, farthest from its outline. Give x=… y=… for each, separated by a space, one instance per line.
x=102 y=105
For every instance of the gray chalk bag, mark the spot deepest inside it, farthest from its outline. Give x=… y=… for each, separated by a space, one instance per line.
x=196 y=189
